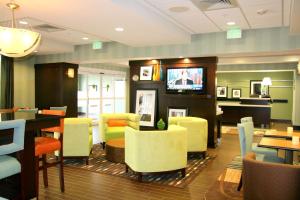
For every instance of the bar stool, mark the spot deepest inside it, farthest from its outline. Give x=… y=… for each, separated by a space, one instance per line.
x=45 y=145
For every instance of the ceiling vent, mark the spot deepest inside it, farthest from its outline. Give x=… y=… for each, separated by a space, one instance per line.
x=48 y=28
x=206 y=5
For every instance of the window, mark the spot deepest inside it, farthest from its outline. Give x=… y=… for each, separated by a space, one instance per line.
x=101 y=94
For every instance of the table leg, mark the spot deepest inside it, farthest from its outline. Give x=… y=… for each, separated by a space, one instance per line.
x=288 y=156
x=29 y=165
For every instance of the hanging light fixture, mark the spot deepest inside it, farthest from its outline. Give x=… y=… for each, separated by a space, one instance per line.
x=16 y=42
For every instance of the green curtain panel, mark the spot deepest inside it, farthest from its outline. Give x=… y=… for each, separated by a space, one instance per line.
x=7 y=82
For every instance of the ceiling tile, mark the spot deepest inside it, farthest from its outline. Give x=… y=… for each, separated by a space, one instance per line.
x=272 y=17
x=222 y=16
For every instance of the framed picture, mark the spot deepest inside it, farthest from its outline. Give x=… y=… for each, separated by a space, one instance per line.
x=177 y=112
x=256 y=88
x=145 y=106
x=146 y=73
x=236 y=93
x=221 y=91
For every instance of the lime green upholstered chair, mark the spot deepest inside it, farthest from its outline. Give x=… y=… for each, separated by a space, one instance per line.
x=78 y=138
x=156 y=151
x=197 y=132
x=112 y=126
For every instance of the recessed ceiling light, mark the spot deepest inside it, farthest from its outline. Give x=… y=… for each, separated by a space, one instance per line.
x=119 y=29
x=85 y=38
x=23 y=22
x=180 y=56
x=230 y=23
x=179 y=9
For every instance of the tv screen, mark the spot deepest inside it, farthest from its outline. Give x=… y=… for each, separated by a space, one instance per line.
x=185 y=79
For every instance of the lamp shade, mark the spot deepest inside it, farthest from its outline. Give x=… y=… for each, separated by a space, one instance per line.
x=266 y=81
x=15 y=42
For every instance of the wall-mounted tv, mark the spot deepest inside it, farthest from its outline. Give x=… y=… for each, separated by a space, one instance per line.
x=186 y=80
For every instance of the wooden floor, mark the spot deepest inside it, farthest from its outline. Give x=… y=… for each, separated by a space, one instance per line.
x=81 y=184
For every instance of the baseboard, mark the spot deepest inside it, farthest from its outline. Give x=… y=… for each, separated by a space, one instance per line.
x=296 y=128
x=282 y=121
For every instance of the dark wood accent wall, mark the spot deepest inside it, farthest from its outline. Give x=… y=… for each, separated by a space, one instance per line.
x=6 y=82
x=53 y=87
x=203 y=106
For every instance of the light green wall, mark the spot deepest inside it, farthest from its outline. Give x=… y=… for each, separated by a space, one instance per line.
x=253 y=41
x=296 y=119
x=282 y=88
x=24 y=85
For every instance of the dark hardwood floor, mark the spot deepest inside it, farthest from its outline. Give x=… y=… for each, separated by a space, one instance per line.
x=81 y=184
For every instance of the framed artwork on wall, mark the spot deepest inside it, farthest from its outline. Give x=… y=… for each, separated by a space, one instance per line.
x=222 y=91
x=256 y=88
x=145 y=106
x=236 y=93
x=146 y=73
x=177 y=112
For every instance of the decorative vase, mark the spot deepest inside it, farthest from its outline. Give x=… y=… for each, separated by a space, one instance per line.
x=161 y=72
x=161 y=124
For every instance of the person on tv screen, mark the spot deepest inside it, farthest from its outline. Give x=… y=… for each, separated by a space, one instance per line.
x=184 y=80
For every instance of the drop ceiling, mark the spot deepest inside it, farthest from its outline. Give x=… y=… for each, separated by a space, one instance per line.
x=145 y=22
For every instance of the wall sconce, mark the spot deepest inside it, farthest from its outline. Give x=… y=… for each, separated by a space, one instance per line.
x=70 y=73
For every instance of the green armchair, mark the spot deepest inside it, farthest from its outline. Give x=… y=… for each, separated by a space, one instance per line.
x=78 y=138
x=197 y=132
x=112 y=126
x=156 y=151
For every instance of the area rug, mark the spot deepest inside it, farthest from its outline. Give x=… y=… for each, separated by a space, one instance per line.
x=225 y=187
x=99 y=164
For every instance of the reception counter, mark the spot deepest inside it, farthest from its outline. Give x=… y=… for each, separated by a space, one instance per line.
x=257 y=108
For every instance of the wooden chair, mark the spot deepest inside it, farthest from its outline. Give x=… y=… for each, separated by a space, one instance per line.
x=46 y=145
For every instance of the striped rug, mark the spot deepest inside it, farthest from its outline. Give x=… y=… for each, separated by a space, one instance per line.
x=98 y=164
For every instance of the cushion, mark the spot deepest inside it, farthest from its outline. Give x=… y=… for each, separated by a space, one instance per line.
x=44 y=145
x=116 y=129
x=116 y=122
x=9 y=166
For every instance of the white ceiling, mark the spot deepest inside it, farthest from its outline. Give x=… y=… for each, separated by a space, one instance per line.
x=146 y=22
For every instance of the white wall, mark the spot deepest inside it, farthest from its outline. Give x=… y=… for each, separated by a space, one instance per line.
x=24 y=85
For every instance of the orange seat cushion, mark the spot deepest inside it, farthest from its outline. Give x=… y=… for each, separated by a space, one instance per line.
x=116 y=122
x=44 y=145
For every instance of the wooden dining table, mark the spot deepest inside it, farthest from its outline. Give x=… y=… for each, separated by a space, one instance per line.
x=281 y=134
x=283 y=144
x=34 y=123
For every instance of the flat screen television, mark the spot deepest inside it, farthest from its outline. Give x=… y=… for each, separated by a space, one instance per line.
x=186 y=80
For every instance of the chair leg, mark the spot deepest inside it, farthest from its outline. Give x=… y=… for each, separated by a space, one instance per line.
x=103 y=145
x=61 y=172
x=140 y=176
x=183 y=172
x=36 y=158
x=45 y=171
x=87 y=161
x=240 y=184
x=126 y=168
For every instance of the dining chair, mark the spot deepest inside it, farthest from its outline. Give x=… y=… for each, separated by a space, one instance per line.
x=46 y=145
x=264 y=180
x=10 y=165
x=64 y=108
x=246 y=130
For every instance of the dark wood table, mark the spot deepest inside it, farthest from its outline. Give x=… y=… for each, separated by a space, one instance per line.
x=283 y=144
x=34 y=122
x=115 y=150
